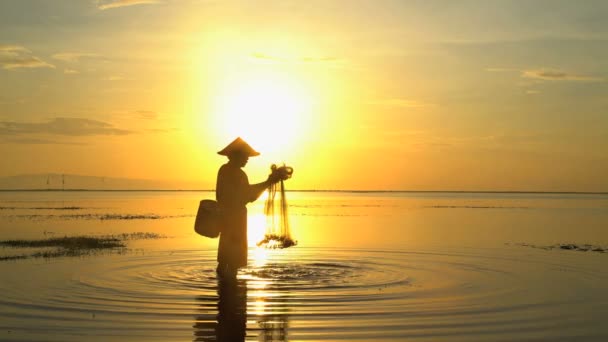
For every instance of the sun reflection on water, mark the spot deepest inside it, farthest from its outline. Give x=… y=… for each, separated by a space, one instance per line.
x=259 y=256
x=258 y=297
x=256 y=229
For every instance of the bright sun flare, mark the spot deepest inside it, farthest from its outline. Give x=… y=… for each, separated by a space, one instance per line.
x=268 y=111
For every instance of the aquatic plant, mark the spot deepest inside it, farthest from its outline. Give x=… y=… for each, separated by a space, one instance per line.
x=73 y=242
x=568 y=247
x=75 y=245
x=13 y=257
x=43 y=208
x=101 y=217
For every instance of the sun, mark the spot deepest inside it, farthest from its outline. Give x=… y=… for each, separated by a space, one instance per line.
x=268 y=110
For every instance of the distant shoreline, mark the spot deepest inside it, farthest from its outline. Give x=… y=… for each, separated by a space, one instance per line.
x=325 y=191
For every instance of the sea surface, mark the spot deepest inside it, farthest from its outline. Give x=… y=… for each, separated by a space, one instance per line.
x=369 y=266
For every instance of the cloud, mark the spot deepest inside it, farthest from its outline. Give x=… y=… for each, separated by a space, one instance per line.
x=15 y=57
x=277 y=59
x=146 y=114
x=501 y=140
x=73 y=57
x=162 y=130
x=259 y=55
x=10 y=100
x=136 y=114
x=402 y=103
x=36 y=141
x=557 y=75
x=62 y=126
x=104 y=4
x=497 y=140
x=70 y=71
x=500 y=69
x=13 y=49
x=113 y=78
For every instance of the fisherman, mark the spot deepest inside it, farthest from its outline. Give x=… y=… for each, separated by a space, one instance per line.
x=233 y=192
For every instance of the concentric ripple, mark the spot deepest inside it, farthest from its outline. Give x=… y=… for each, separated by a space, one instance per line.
x=305 y=294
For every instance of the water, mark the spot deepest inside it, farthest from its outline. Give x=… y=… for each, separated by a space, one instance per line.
x=368 y=267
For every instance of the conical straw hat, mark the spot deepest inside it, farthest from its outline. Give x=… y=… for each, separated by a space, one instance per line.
x=239 y=146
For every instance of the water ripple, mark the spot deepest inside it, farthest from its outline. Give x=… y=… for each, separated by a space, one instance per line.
x=296 y=294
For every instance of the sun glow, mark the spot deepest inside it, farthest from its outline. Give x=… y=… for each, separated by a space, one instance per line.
x=268 y=110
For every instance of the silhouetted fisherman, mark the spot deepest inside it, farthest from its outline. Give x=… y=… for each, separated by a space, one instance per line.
x=233 y=192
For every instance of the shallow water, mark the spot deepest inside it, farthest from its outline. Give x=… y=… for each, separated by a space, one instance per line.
x=368 y=267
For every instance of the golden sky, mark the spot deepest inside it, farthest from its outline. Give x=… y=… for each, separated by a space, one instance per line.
x=402 y=95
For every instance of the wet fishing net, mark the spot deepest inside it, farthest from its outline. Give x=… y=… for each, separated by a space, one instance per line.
x=278 y=234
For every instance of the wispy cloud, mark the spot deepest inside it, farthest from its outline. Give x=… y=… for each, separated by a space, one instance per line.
x=13 y=48
x=62 y=126
x=547 y=74
x=105 y=5
x=70 y=71
x=141 y=114
x=500 y=69
x=146 y=114
x=278 y=59
x=10 y=100
x=113 y=78
x=496 y=140
x=401 y=103
x=557 y=75
x=36 y=141
x=73 y=57
x=162 y=130
x=15 y=57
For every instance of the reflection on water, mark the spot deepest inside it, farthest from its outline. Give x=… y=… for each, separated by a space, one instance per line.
x=230 y=322
x=269 y=311
x=225 y=317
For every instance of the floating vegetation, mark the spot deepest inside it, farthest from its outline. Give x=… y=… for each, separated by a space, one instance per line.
x=139 y=236
x=568 y=247
x=73 y=242
x=13 y=257
x=472 y=207
x=101 y=217
x=332 y=205
x=42 y=208
x=75 y=245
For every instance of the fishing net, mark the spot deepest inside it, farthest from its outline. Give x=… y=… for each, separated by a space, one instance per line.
x=278 y=234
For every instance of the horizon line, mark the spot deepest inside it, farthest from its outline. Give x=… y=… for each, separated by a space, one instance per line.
x=326 y=190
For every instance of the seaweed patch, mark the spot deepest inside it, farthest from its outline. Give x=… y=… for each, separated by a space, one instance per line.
x=101 y=217
x=43 y=208
x=473 y=207
x=72 y=246
x=567 y=247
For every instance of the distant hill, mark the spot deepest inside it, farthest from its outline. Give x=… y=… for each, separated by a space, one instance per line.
x=54 y=181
